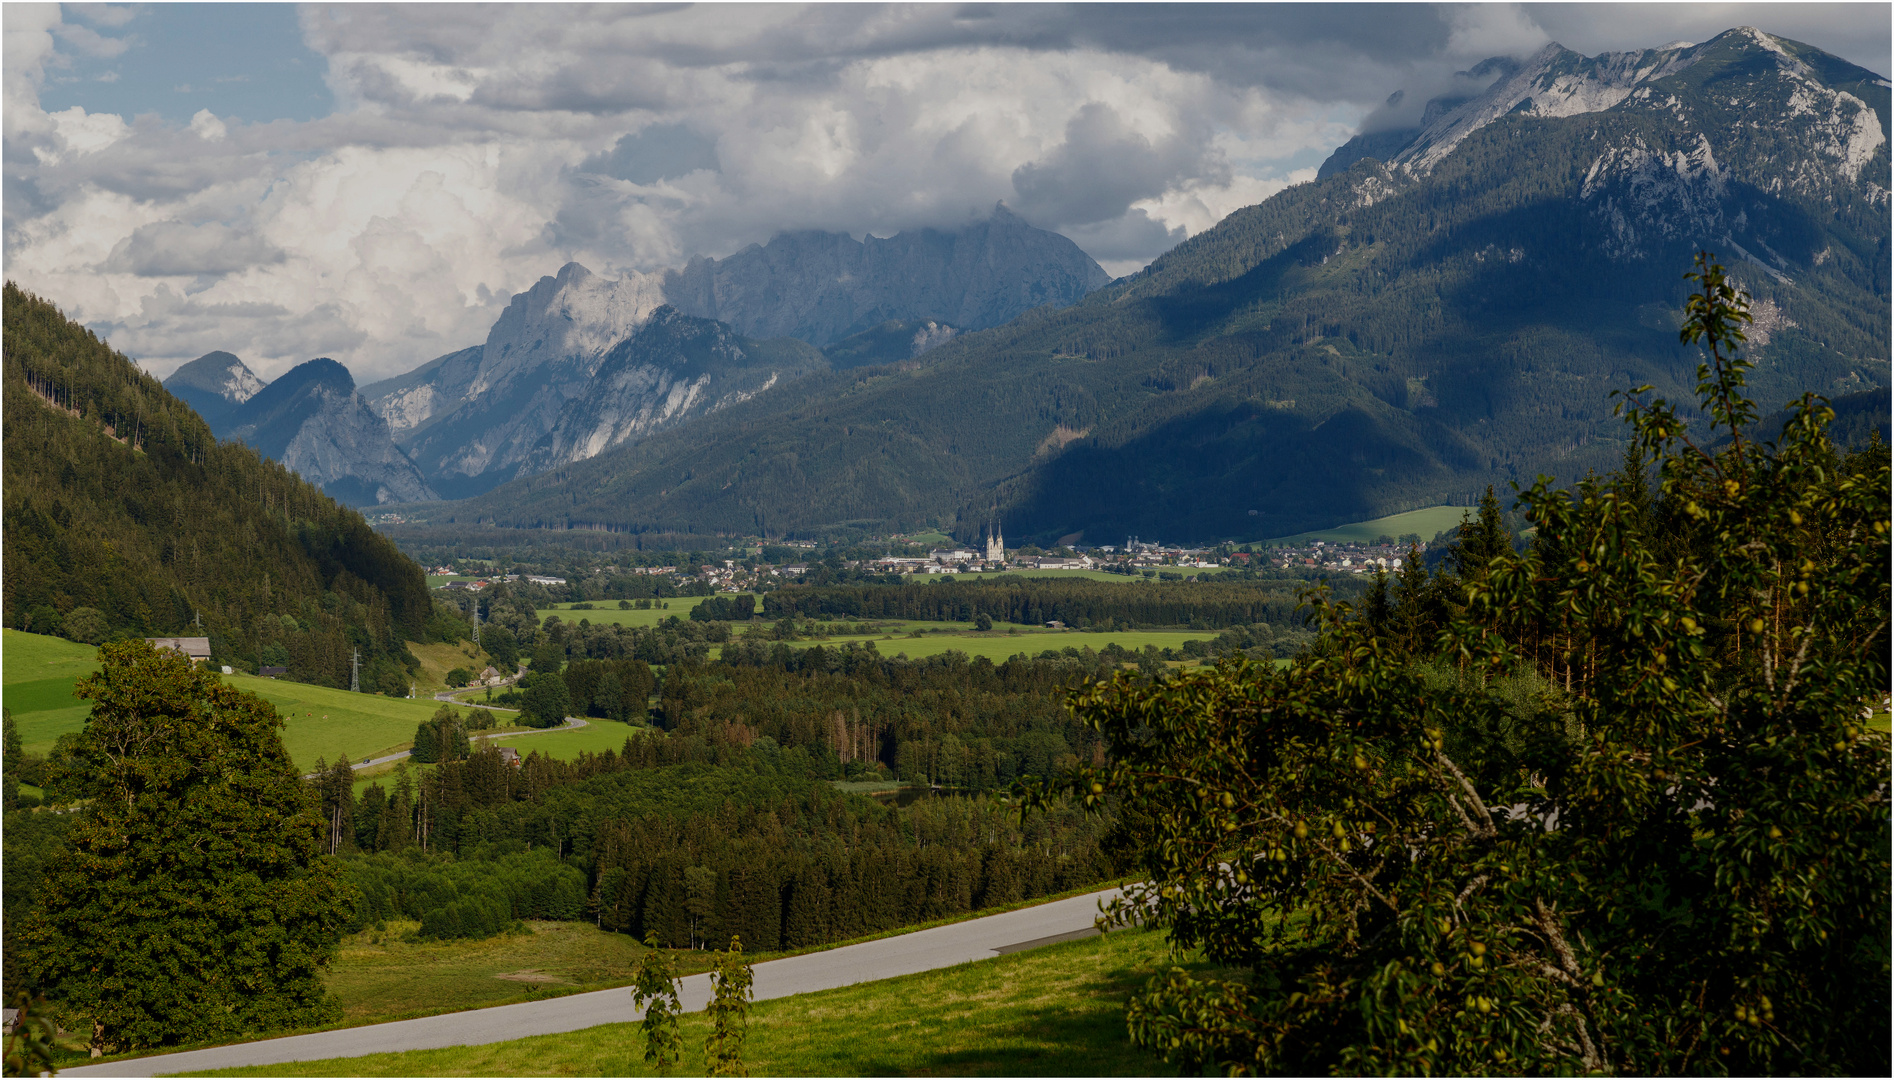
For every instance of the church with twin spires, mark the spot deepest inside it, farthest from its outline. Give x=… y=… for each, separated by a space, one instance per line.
x=995 y=545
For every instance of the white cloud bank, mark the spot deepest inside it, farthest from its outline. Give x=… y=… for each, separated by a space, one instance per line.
x=474 y=149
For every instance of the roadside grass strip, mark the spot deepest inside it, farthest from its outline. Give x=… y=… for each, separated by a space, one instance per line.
x=1056 y=1010
x=377 y=976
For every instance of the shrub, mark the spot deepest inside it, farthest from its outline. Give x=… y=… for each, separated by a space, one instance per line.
x=84 y=625
x=546 y=701
x=725 y=609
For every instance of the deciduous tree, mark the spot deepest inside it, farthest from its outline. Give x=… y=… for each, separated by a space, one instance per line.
x=1682 y=868
x=196 y=903
x=654 y=989
x=731 y=983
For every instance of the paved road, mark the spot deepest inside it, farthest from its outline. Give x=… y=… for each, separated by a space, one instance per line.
x=923 y=950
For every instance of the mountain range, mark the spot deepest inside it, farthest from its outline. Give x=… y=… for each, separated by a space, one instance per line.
x=580 y=364
x=478 y=417
x=1449 y=306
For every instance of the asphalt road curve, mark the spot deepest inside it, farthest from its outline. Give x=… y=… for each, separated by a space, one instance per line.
x=904 y=954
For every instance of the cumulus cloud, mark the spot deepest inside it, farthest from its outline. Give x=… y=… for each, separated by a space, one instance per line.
x=476 y=148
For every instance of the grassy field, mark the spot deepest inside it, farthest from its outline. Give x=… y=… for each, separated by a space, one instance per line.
x=320 y=722
x=1426 y=523
x=379 y=977
x=1089 y=575
x=317 y=721
x=1052 y=1011
x=37 y=685
x=606 y=612
x=440 y=657
x=597 y=736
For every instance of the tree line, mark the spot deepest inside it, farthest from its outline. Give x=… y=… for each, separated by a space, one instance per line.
x=694 y=837
x=1197 y=605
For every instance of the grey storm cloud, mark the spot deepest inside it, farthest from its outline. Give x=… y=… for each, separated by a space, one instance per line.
x=174 y=248
x=1104 y=166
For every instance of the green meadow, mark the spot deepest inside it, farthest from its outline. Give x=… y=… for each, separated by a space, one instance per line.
x=1424 y=523
x=1088 y=575
x=606 y=612
x=998 y=647
x=37 y=673
x=317 y=722
x=596 y=737
x=320 y=722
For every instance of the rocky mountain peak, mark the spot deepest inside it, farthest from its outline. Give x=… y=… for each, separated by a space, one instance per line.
x=214 y=384
x=312 y=420
x=220 y=373
x=475 y=417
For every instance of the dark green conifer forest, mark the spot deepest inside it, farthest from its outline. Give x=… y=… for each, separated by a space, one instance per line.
x=120 y=501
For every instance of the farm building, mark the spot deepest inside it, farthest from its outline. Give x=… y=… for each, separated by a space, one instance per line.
x=197 y=648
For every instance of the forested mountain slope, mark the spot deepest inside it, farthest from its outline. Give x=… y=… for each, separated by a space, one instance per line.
x=1372 y=342
x=119 y=499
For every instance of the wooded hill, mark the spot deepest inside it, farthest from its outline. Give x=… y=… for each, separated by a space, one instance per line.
x=1361 y=345
x=121 y=505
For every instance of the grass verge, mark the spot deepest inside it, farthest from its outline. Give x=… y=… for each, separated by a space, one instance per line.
x=379 y=977
x=1052 y=1011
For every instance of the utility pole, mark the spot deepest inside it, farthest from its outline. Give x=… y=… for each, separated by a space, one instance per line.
x=355 y=671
